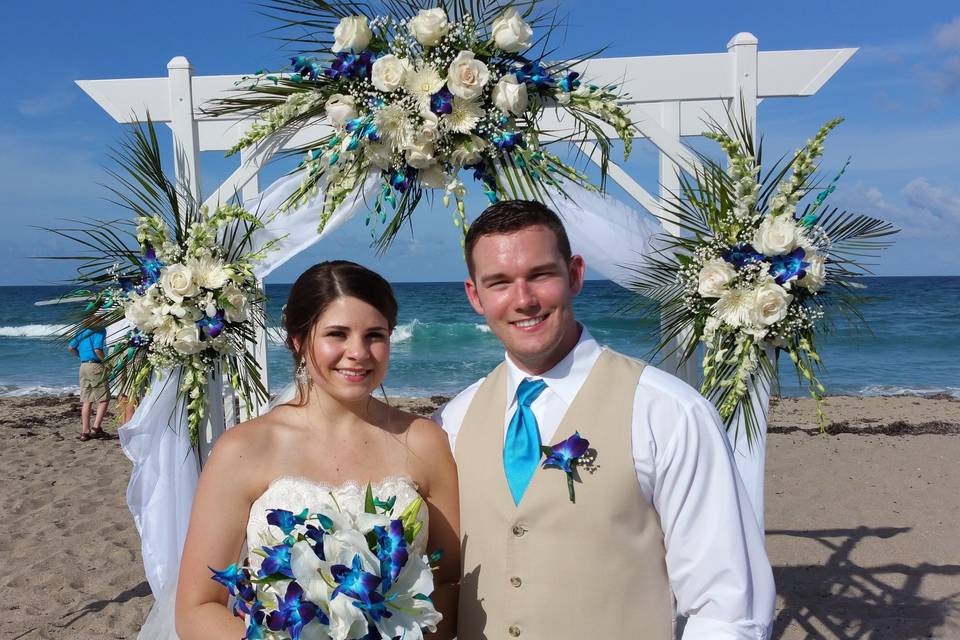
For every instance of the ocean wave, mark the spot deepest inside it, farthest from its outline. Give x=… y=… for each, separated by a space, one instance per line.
x=33 y=331
x=14 y=391
x=482 y=328
x=403 y=332
x=895 y=390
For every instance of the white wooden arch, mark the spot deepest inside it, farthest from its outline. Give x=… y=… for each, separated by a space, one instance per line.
x=670 y=98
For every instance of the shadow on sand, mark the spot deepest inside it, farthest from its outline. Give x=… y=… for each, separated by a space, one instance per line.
x=840 y=599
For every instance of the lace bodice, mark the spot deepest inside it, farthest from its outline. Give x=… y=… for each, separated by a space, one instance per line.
x=296 y=493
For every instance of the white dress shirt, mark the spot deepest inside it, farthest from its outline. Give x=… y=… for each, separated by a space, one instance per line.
x=715 y=555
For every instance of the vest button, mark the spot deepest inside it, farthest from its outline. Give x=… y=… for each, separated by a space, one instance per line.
x=514 y=631
x=516 y=581
x=518 y=531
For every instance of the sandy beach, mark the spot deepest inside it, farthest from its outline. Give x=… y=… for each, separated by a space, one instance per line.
x=861 y=523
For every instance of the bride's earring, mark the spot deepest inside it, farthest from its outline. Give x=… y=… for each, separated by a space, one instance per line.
x=302 y=376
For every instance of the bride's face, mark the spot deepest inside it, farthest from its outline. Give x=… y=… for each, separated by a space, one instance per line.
x=350 y=349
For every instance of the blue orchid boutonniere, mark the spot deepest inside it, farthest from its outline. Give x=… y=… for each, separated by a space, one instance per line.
x=566 y=456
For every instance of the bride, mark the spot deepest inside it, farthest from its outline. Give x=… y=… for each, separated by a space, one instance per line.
x=327 y=444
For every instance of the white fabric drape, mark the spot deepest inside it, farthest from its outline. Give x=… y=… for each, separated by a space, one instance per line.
x=165 y=466
x=164 y=477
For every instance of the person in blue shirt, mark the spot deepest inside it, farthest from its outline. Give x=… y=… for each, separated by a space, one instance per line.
x=88 y=345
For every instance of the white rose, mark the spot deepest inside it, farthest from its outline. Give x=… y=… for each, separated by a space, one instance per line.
x=379 y=155
x=511 y=33
x=430 y=129
x=353 y=32
x=429 y=26
x=420 y=153
x=433 y=177
x=177 y=282
x=388 y=73
x=467 y=76
x=714 y=278
x=143 y=311
x=509 y=95
x=341 y=109
x=816 y=274
x=776 y=236
x=468 y=152
x=208 y=272
x=770 y=304
x=234 y=304
x=187 y=340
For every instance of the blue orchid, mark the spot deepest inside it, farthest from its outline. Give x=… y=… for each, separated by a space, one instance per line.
x=350 y=65
x=392 y=552
x=246 y=602
x=742 y=254
x=150 y=267
x=565 y=456
x=277 y=561
x=533 y=73
x=361 y=586
x=286 y=520
x=785 y=268
x=442 y=101
x=508 y=140
x=214 y=326
x=304 y=66
x=362 y=128
x=294 y=612
x=315 y=535
x=400 y=180
x=570 y=82
x=231 y=577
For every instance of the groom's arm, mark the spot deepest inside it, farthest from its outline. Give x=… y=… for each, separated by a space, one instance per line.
x=450 y=415
x=715 y=554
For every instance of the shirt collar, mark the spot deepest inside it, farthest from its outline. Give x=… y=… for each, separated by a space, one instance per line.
x=566 y=377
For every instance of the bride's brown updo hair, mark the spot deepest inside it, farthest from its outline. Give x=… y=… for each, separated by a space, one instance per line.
x=319 y=286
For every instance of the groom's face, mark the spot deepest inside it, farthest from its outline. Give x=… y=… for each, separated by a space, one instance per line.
x=525 y=288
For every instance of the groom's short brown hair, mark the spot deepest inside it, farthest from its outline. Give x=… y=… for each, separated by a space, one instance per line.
x=508 y=216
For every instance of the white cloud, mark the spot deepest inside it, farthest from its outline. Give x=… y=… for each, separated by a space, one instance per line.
x=927 y=210
x=947 y=36
x=36 y=106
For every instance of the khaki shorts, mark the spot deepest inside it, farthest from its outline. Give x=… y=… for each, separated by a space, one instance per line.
x=93 y=387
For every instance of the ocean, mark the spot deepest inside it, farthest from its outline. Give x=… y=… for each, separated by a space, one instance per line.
x=440 y=345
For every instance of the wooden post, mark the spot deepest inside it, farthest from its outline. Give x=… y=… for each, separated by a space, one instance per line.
x=251 y=189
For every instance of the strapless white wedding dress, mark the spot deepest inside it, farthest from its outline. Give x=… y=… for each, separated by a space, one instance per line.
x=295 y=494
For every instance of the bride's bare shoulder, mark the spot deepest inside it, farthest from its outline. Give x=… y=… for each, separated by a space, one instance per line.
x=257 y=437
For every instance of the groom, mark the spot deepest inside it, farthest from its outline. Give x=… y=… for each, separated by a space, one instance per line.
x=659 y=510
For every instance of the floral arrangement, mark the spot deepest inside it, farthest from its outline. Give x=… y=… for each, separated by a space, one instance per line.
x=337 y=575
x=420 y=95
x=566 y=456
x=182 y=277
x=755 y=273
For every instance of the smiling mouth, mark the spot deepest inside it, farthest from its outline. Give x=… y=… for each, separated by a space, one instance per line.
x=529 y=323
x=353 y=375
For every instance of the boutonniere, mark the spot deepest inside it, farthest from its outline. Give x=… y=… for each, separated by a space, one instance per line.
x=566 y=456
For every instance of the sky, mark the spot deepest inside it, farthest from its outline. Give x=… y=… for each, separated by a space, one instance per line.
x=899 y=95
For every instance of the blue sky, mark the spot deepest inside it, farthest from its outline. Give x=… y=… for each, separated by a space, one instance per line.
x=899 y=94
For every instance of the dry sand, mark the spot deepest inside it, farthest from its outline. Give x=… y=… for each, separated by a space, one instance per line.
x=861 y=523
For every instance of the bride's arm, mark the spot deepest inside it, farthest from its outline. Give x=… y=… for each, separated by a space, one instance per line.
x=221 y=507
x=435 y=462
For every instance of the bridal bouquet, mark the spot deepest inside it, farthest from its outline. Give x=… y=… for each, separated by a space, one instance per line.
x=419 y=95
x=182 y=277
x=756 y=273
x=336 y=575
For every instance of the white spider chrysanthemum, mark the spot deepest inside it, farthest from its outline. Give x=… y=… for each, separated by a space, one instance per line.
x=734 y=307
x=423 y=83
x=395 y=125
x=465 y=116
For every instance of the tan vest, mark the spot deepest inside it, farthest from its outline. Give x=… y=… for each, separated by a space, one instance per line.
x=550 y=569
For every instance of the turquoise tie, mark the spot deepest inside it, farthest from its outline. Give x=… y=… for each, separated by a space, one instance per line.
x=521 y=450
